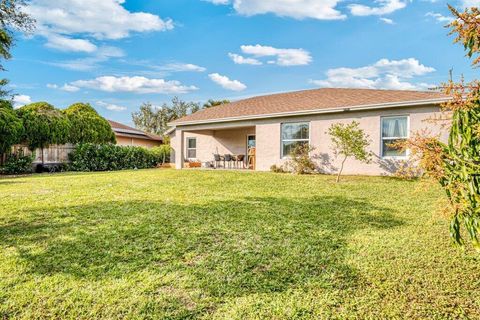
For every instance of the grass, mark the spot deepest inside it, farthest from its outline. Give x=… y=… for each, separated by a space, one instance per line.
x=166 y=244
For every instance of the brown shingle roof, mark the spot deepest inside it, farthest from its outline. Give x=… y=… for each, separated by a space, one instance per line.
x=308 y=100
x=123 y=130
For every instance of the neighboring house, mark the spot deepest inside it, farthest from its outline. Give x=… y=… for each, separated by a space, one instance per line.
x=275 y=123
x=128 y=136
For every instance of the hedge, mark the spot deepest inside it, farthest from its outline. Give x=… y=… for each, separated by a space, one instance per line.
x=109 y=157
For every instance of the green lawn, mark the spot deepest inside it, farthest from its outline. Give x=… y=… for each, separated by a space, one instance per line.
x=166 y=244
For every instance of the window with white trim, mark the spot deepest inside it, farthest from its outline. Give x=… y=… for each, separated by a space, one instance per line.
x=394 y=129
x=294 y=134
x=191 y=148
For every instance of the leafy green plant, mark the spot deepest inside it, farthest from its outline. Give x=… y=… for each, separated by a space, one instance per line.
x=349 y=140
x=300 y=161
x=462 y=173
x=108 y=157
x=87 y=126
x=17 y=164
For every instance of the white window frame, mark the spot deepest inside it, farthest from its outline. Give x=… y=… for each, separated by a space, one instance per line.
x=282 y=156
x=187 y=147
x=407 y=152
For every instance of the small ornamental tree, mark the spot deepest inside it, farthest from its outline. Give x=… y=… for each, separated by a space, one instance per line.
x=11 y=128
x=348 y=140
x=87 y=126
x=43 y=125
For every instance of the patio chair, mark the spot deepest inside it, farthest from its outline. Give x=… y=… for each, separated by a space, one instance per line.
x=240 y=159
x=229 y=159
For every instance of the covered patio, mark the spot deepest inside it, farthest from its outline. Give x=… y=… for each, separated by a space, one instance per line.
x=214 y=147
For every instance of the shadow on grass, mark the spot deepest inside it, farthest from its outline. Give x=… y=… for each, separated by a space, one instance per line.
x=228 y=248
x=4 y=181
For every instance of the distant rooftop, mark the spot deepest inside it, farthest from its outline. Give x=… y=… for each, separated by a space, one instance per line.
x=126 y=131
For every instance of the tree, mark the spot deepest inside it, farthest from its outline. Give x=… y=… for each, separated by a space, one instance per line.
x=456 y=164
x=149 y=119
x=10 y=128
x=87 y=126
x=43 y=125
x=12 y=17
x=213 y=103
x=155 y=120
x=348 y=140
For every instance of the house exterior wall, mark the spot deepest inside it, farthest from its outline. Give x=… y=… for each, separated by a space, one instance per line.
x=209 y=142
x=225 y=138
x=127 y=141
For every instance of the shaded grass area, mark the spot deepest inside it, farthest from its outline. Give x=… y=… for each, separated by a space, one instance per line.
x=159 y=244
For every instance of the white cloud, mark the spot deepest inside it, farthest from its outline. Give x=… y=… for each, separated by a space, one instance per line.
x=89 y=63
x=470 y=3
x=133 y=84
x=439 y=17
x=219 y=1
x=106 y=19
x=66 y=87
x=111 y=106
x=66 y=23
x=20 y=100
x=384 y=74
x=284 y=57
x=384 y=7
x=387 y=21
x=181 y=67
x=298 y=9
x=226 y=83
x=238 y=59
x=62 y=43
x=69 y=88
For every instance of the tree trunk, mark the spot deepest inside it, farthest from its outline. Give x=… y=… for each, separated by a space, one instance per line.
x=43 y=159
x=341 y=169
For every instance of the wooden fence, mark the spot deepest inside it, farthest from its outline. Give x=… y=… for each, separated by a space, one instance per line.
x=52 y=154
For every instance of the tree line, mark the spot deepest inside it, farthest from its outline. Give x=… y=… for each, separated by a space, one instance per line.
x=155 y=119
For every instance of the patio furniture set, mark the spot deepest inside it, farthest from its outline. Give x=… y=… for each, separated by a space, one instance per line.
x=231 y=160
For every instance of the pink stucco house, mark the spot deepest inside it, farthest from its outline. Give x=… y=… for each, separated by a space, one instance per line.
x=273 y=124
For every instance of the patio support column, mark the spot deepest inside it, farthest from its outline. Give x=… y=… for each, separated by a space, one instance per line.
x=179 y=153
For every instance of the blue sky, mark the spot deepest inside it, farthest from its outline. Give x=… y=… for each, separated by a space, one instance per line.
x=116 y=54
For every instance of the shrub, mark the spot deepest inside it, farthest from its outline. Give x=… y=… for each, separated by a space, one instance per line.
x=407 y=170
x=301 y=162
x=17 y=164
x=107 y=157
x=162 y=153
x=277 y=169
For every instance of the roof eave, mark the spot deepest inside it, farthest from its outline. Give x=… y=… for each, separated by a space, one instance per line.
x=314 y=111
